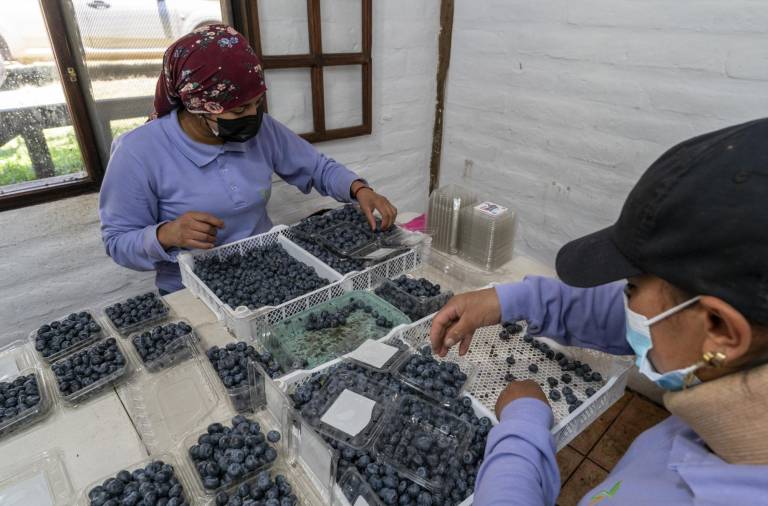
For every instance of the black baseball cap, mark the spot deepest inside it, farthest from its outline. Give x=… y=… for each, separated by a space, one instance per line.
x=697 y=218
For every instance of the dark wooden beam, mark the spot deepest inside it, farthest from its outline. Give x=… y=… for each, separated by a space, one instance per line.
x=443 y=62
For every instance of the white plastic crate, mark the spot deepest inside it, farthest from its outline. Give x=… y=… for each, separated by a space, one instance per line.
x=249 y=323
x=488 y=353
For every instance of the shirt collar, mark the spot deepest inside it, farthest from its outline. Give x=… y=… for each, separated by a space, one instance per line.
x=710 y=478
x=198 y=153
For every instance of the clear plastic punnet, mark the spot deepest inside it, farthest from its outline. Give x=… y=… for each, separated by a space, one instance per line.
x=350 y=409
x=439 y=378
x=353 y=490
x=165 y=353
x=418 y=436
x=41 y=481
x=168 y=405
x=90 y=387
x=158 y=475
x=220 y=456
x=52 y=341
x=304 y=342
x=125 y=320
x=248 y=396
x=416 y=307
x=25 y=396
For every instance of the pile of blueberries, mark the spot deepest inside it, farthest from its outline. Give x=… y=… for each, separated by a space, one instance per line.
x=357 y=230
x=325 y=319
x=416 y=298
x=423 y=439
x=262 y=277
x=61 y=335
x=439 y=380
x=231 y=365
x=155 y=484
x=262 y=491
x=161 y=341
x=336 y=262
x=137 y=311
x=225 y=455
x=89 y=366
x=348 y=239
x=348 y=214
x=391 y=488
x=18 y=396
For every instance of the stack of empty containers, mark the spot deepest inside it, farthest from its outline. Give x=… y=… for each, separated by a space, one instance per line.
x=481 y=232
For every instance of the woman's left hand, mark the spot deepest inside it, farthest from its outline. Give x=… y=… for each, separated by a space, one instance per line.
x=371 y=201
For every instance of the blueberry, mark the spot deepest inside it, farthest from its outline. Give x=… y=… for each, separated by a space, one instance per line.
x=565 y=378
x=511 y=360
x=273 y=436
x=596 y=376
x=533 y=368
x=552 y=381
x=509 y=377
x=554 y=394
x=590 y=391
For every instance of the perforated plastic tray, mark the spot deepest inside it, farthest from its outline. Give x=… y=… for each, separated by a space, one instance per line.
x=164 y=458
x=444 y=437
x=488 y=353
x=176 y=351
x=82 y=395
x=170 y=404
x=74 y=347
x=294 y=347
x=41 y=481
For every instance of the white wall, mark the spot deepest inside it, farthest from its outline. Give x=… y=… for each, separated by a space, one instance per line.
x=51 y=257
x=557 y=106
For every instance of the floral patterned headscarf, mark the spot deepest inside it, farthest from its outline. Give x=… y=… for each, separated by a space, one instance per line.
x=209 y=70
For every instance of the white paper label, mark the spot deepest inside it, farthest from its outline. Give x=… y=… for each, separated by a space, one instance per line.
x=491 y=209
x=360 y=502
x=8 y=367
x=374 y=353
x=33 y=490
x=351 y=413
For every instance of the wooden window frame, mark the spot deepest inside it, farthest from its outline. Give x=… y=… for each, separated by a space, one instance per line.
x=246 y=19
x=78 y=112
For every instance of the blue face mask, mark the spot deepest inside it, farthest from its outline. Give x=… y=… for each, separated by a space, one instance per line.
x=639 y=338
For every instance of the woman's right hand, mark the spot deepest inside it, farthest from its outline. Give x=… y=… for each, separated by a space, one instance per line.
x=192 y=230
x=460 y=317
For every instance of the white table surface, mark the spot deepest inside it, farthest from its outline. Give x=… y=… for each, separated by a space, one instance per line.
x=98 y=438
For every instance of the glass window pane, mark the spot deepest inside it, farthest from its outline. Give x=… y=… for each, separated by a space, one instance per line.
x=289 y=92
x=343 y=86
x=37 y=142
x=342 y=27
x=283 y=26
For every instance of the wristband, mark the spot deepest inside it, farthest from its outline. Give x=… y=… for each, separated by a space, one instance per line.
x=354 y=195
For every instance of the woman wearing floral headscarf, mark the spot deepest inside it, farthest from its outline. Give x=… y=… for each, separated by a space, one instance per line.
x=200 y=172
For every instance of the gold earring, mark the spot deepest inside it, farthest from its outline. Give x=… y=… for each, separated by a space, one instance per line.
x=714 y=359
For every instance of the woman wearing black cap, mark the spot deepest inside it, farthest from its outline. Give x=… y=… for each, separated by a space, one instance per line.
x=691 y=251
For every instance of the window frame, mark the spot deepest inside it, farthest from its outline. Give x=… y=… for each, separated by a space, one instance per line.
x=246 y=19
x=75 y=103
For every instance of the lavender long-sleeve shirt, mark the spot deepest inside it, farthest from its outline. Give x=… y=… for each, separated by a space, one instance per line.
x=156 y=173
x=667 y=464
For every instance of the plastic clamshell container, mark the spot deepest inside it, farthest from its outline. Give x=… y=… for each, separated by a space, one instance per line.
x=170 y=404
x=41 y=481
x=451 y=360
x=249 y=396
x=353 y=490
x=73 y=347
x=421 y=306
x=349 y=390
x=202 y=494
x=164 y=458
x=126 y=330
x=364 y=239
x=178 y=350
x=364 y=355
x=294 y=347
x=31 y=414
x=96 y=387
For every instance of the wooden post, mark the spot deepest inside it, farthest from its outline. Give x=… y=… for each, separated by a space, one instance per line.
x=443 y=61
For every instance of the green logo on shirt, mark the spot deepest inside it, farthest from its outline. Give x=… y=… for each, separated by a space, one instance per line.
x=605 y=494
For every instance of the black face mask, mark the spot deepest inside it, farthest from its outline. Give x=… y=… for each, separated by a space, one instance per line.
x=240 y=129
